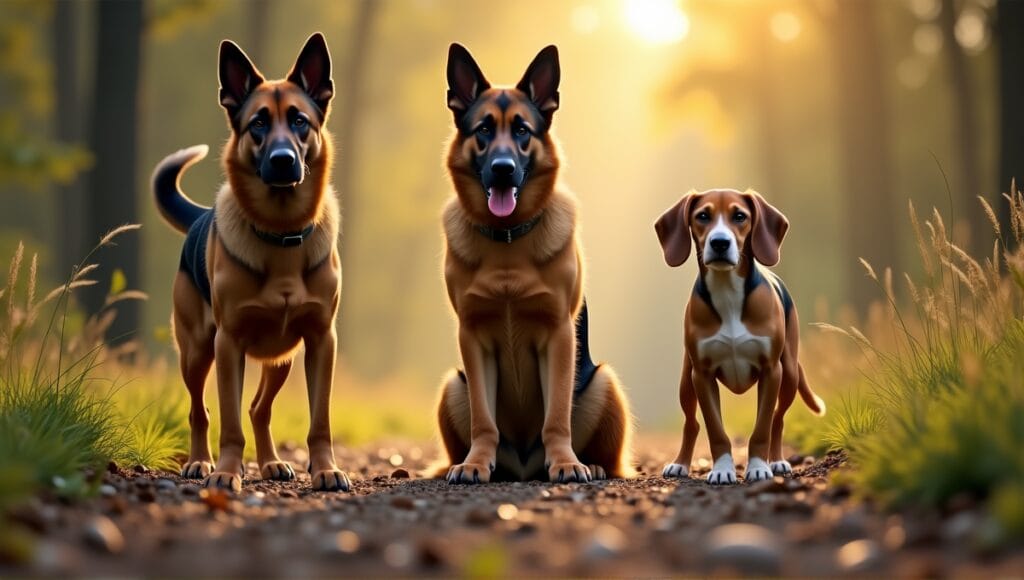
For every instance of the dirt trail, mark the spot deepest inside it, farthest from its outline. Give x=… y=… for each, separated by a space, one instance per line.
x=155 y=523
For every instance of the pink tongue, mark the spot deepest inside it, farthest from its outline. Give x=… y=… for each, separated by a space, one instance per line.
x=502 y=202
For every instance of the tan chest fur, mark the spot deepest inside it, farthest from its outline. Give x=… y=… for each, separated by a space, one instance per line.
x=269 y=298
x=510 y=297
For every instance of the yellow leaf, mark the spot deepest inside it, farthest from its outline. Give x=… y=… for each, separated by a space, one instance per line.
x=118 y=282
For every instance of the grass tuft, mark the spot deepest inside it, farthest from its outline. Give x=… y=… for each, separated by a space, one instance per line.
x=941 y=415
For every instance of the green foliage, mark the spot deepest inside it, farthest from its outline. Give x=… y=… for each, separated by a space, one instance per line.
x=27 y=156
x=943 y=416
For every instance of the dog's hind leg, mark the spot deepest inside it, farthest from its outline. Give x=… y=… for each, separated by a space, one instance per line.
x=271 y=466
x=791 y=376
x=602 y=427
x=453 y=424
x=194 y=337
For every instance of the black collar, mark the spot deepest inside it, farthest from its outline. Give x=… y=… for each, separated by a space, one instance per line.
x=286 y=239
x=511 y=234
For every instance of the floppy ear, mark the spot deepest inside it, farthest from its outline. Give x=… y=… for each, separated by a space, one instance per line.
x=312 y=71
x=769 y=229
x=465 y=80
x=540 y=82
x=238 y=78
x=673 y=229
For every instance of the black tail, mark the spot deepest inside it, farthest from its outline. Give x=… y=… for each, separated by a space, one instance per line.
x=175 y=206
x=585 y=367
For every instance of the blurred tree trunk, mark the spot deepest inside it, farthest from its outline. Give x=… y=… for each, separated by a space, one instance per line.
x=965 y=139
x=69 y=113
x=768 y=114
x=872 y=209
x=259 y=18
x=1010 y=39
x=111 y=199
x=352 y=93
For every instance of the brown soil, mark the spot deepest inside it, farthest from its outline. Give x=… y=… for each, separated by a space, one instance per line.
x=390 y=524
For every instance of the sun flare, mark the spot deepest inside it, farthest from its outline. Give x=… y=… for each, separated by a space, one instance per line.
x=657 y=21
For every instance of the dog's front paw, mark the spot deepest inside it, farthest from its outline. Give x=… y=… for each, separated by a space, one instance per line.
x=331 y=479
x=469 y=473
x=676 y=470
x=781 y=467
x=757 y=470
x=598 y=473
x=723 y=472
x=568 y=472
x=196 y=469
x=224 y=480
x=277 y=471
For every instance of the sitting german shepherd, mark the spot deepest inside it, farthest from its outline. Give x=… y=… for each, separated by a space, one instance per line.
x=259 y=274
x=530 y=402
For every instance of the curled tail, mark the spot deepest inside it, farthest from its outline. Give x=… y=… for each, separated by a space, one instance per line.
x=813 y=402
x=175 y=206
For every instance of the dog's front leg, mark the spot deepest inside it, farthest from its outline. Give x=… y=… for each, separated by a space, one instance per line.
x=230 y=360
x=557 y=368
x=724 y=470
x=320 y=357
x=757 y=449
x=482 y=384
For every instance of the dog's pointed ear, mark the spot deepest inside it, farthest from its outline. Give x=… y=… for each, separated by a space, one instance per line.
x=238 y=78
x=312 y=71
x=673 y=229
x=541 y=80
x=769 y=229
x=465 y=80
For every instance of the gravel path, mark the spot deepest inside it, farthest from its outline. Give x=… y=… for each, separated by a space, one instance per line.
x=157 y=524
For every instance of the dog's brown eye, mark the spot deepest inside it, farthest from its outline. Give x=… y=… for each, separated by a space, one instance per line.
x=484 y=130
x=259 y=123
x=299 y=121
x=521 y=131
x=739 y=217
x=703 y=216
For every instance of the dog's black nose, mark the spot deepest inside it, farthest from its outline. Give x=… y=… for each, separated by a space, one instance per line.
x=282 y=159
x=503 y=167
x=720 y=245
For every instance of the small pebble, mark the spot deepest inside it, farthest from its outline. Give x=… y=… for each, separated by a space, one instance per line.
x=859 y=556
x=400 y=474
x=166 y=485
x=103 y=535
x=745 y=549
x=606 y=542
x=107 y=490
x=403 y=502
x=140 y=469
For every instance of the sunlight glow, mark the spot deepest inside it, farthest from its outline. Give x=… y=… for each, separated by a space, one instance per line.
x=585 y=19
x=785 y=26
x=657 y=21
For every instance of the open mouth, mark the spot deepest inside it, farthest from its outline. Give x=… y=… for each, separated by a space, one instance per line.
x=502 y=200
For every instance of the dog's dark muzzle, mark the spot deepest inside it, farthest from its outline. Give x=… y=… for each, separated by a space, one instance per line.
x=281 y=166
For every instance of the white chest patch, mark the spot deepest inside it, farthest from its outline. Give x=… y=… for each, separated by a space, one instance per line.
x=734 y=353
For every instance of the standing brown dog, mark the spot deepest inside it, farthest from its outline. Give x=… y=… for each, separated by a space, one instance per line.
x=530 y=402
x=259 y=273
x=741 y=326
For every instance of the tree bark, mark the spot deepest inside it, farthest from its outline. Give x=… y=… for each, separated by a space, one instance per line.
x=968 y=184
x=1010 y=39
x=352 y=93
x=112 y=195
x=871 y=207
x=68 y=129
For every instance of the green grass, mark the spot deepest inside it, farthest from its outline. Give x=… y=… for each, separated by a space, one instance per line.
x=942 y=412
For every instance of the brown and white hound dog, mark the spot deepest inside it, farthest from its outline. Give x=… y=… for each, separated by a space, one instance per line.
x=740 y=327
